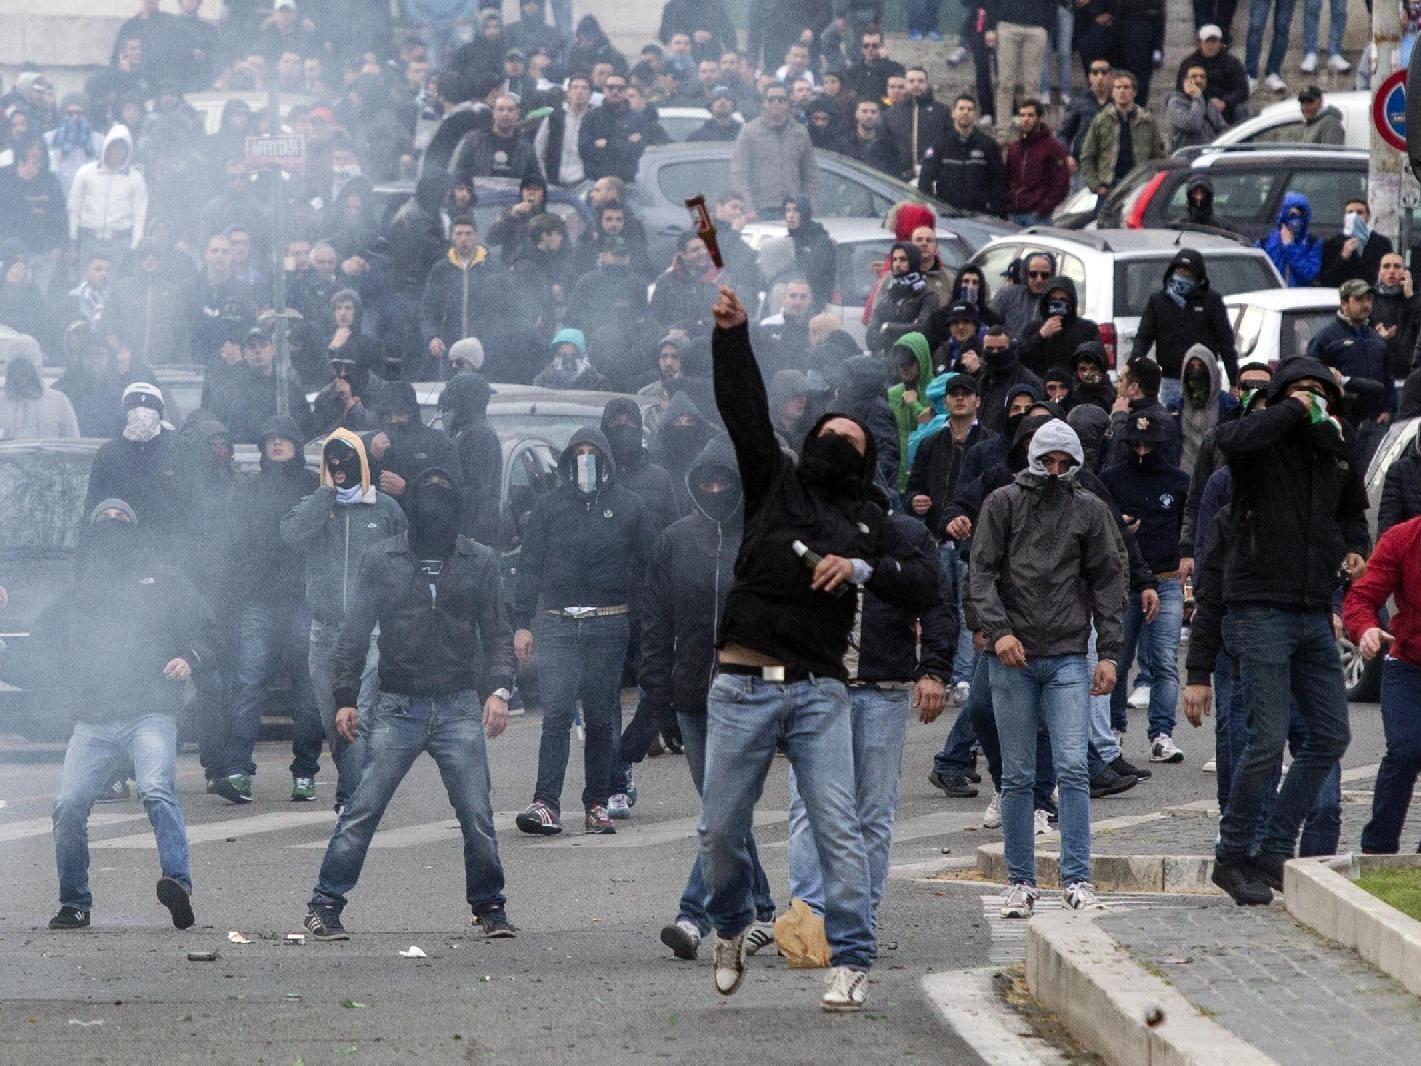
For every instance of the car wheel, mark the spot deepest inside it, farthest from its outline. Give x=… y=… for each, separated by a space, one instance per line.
x=1362 y=677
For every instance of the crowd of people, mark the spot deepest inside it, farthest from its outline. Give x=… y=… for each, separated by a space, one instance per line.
x=785 y=542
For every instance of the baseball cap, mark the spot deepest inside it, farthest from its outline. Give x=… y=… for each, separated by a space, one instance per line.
x=1354 y=287
x=284 y=3
x=1210 y=32
x=1308 y=95
x=721 y=90
x=964 y=381
x=256 y=335
x=960 y=311
x=143 y=394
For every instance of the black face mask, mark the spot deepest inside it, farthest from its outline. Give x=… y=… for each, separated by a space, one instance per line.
x=626 y=445
x=111 y=544
x=434 y=519
x=997 y=359
x=340 y=456
x=682 y=444
x=719 y=506
x=1013 y=422
x=1196 y=386
x=832 y=464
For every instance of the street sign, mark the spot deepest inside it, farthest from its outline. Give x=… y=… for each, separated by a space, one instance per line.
x=273 y=153
x=1389 y=110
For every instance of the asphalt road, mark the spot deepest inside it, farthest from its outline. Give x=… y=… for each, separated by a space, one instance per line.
x=585 y=981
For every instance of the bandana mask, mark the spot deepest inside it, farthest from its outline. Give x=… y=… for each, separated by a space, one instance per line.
x=1058 y=308
x=142 y=424
x=1180 y=288
x=968 y=290
x=1295 y=225
x=587 y=474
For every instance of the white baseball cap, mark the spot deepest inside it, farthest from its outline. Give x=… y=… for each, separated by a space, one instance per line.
x=1210 y=32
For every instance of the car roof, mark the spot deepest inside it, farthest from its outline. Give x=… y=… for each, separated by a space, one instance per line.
x=1285 y=299
x=507 y=396
x=843 y=230
x=1130 y=243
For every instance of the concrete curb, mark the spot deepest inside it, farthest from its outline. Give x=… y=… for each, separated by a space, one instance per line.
x=1321 y=895
x=1104 y=998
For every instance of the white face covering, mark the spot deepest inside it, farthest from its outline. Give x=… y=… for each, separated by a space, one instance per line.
x=587 y=474
x=143 y=424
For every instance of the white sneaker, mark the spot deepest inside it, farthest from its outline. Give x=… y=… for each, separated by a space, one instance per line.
x=729 y=967
x=618 y=806
x=848 y=989
x=1042 y=822
x=761 y=934
x=1020 y=901
x=1157 y=58
x=957 y=56
x=683 y=938
x=986 y=122
x=992 y=818
x=1163 y=750
x=1275 y=84
x=1252 y=85
x=960 y=692
x=1338 y=65
x=1309 y=63
x=1139 y=697
x=1081 y=897
x=1211 y=766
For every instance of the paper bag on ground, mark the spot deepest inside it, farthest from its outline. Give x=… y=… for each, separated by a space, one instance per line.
x=799 y=934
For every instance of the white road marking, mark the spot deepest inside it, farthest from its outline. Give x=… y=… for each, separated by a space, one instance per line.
x=969 y=1004
x=208 y=832
x=41 y=827
x=630 y=835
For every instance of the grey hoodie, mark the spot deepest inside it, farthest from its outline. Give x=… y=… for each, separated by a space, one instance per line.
x=1195 y=423
x=1045 y=564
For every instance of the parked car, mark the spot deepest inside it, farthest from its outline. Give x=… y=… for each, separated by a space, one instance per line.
x=1115 y=272
x=1249 y=182
x=552 y=414
x=492 y=196
x=1277 y=324
x=672 y=173
x=680 y=122
x=42 y=488
x=860 y=247
x=1282 y=123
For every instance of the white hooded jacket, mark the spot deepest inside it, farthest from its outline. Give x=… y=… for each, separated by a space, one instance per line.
x=109 y=200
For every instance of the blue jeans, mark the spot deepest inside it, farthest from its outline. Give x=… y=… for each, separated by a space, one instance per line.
x=1283 y=656
x=811 y=721
x=1104 y=748
x=579 y=658
x=880 y=727
x=151 y=742
x=693 y=899
x=1336 y=25
x=1053 y=691
x=1171 y=393
x=984 y=722
x=1162 y=636
x=1030 y=218
x=1396 y=779
x=964 y=660
x=273 y=639
x=1282 y=24
x=451 y=729
x=349 y=758
x=1230 y=726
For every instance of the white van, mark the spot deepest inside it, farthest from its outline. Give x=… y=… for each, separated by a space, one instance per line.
x=1282 y=122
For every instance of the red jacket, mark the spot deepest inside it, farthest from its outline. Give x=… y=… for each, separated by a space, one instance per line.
x=1037 y=175
x=1393 y=570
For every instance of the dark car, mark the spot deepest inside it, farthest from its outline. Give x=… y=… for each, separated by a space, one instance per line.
x=1249 y=185
x=492 y=196
x=672 y=173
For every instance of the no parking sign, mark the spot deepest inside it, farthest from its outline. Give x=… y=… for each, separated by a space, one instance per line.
x=1389 y=110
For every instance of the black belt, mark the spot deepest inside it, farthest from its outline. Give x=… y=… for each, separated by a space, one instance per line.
x=776 y=674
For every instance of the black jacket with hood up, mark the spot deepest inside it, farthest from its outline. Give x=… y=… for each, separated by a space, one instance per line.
x=265 y=569
x=686 y=587
x=464 y=402
x=635 y=470
x=1039 y=354
x=1172 y=330
x=1297 y=496
x=771 y=609
x=583 y=550
x=864 y=396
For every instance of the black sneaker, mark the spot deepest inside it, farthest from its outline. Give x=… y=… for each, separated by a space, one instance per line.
x=954 y=786
x=538 y=820
x=972 y=774
x=70 y=918
x=1243 y=886
x=173 y=896
x=1128 y=769
x=672 y=742
x=116 y=791
x=1109 y=783
x=1268 y=868
x=495 y=924
x=323 y=923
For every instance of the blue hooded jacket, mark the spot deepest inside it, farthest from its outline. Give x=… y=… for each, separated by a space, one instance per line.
x=936 y=394
x=1300 y=261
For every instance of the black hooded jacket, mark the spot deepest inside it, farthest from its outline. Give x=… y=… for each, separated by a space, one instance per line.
x=903 y=303
x=936 y=468
x=267 y=570
x=415 y=235
x=678 y=446
x=635 y=470
x=414 y=447
x=686 y=587
x=898 y=645
x=328 y=410
x=464 y=402
x=1038 y=353
x=864 y=397
x=1172 y=330
x=582 y=550
x=1297 y=496
x=441 y=633
x=813 y=253
x=772 y=609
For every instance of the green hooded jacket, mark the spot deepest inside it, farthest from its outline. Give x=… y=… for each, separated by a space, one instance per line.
x=906 y=412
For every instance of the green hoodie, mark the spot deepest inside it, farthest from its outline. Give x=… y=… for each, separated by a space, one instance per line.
x=906 y=412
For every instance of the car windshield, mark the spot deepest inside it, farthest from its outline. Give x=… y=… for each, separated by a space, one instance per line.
x=1136 y=279
x=1239 y=196
x=1298 y=328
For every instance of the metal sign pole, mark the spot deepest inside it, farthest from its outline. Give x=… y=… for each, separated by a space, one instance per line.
x=278 y=273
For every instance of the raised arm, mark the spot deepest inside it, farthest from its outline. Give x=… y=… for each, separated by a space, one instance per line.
x=742 y=401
